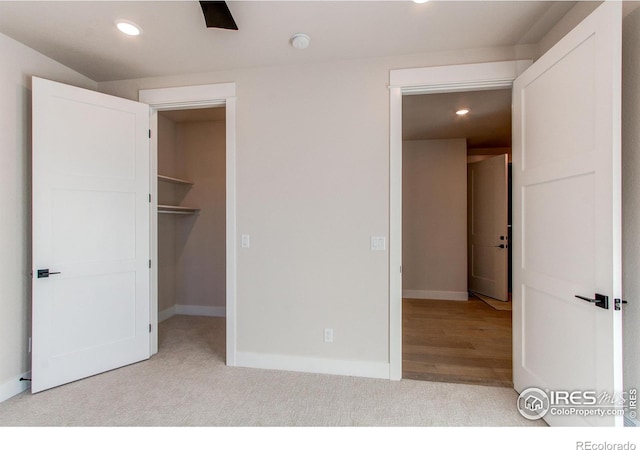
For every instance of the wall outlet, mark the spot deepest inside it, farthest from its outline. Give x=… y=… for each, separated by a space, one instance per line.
x=328 y=335
x=246 y=241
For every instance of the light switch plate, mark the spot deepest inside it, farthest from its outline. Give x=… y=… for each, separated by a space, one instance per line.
x=246 y=241
x=378 y=243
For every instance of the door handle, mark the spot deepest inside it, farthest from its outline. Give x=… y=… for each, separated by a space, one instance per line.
x=601 y=301
x=44 y=273
x=501 y=246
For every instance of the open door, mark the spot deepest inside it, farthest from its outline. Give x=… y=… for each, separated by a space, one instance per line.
x=90 y=233
x=567 y=220
x=488 y=227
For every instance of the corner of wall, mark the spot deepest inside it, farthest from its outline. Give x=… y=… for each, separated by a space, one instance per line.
x=568 y=22
x=630 y=196
x=14 y=386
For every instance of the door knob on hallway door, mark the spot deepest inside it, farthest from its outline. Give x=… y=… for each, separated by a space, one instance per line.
x=601 y=301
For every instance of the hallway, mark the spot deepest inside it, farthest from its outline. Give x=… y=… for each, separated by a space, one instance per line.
x=456 y=342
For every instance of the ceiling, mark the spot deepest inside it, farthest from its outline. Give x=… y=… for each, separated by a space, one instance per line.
x=433 y=116
x=82 y=35
x=196 y=115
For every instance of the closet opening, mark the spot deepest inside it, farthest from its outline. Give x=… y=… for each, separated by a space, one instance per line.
x=191 y=233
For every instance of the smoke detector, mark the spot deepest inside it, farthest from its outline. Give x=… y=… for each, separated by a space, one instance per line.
x=300 y=41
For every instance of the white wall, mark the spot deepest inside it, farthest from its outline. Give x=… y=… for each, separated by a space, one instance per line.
x=201 y=239
x=192 y=248
x=631 y=197
x=434 y=219
x=19 y=63
x=167 y=194
x=312 y=188
x=313 y=146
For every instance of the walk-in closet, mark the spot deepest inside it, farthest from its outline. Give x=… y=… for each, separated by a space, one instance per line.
x=191 y=213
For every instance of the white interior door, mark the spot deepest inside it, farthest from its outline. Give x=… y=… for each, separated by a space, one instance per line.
x=487 y=200
x=90 y=231
x=567 y=215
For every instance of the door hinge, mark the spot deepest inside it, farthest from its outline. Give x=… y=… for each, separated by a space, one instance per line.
x=149 y=264
x=149 y=198
x=149 y=134
x=149 y=328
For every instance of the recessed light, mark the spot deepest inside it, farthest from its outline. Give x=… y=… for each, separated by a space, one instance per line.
x=420 y=1
x=128 y=27
x=462 y=112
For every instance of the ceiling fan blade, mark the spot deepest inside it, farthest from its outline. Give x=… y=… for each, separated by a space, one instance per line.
x=217 y=15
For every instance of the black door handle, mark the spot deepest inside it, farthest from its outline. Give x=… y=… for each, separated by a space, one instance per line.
x=602 y=301
x=44 y=273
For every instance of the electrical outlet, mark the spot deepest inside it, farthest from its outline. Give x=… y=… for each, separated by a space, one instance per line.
x=246 y=241
x=328 y=335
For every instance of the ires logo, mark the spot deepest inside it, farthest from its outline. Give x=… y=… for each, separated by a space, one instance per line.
x=574 y=398
x=534 y=403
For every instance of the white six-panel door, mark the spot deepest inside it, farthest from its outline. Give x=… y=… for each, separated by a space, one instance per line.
x=90 y=224
x=567 y=215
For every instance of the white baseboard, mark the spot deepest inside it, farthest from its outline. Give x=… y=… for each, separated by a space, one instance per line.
x=367 y=369
x=14 y=387
x=166 y=314
x=192 y=310
x=436 y=295
x=195 y=310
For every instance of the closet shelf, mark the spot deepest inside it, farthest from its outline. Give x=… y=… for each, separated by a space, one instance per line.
x=174 y=180
x=170 y=209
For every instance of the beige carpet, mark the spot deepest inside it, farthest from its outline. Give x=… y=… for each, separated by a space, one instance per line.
x=187 y=383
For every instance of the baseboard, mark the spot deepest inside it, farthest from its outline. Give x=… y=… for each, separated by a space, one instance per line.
x=195 y=310
x=436 y=295
x=192 y=310
x=166 y=314
x=14 y=387
x=367 y=369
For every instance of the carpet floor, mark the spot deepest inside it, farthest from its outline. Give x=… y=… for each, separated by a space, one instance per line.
x=188 y=384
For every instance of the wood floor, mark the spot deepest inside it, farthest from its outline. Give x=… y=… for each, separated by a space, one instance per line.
x=457 y=342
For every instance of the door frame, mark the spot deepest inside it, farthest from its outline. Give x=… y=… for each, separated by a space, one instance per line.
x=196 y=97
x=426 y=80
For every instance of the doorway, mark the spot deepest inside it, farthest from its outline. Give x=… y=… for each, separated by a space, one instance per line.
x=459 y=78
x=455 y=237
x=191 y=195
x=190 y=98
